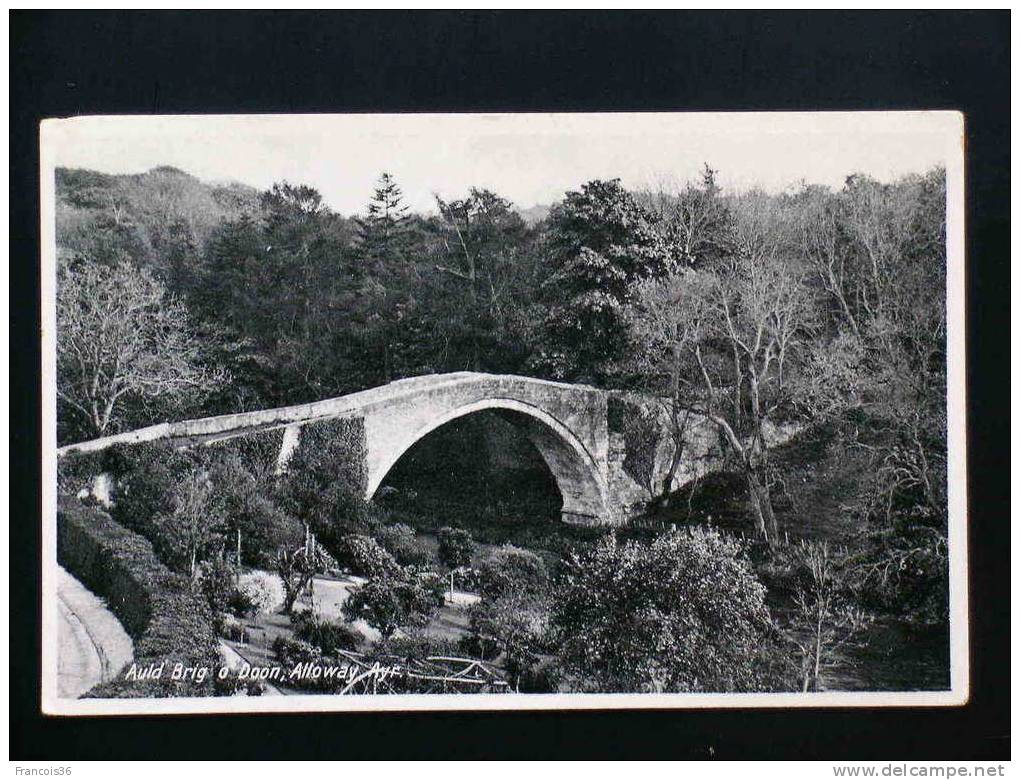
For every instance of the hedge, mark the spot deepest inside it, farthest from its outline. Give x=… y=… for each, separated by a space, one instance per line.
x=157 y=607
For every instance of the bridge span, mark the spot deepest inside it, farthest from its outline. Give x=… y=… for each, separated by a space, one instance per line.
x=567 y=424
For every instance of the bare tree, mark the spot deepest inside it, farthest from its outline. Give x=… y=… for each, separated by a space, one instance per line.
x=824 y=625
x=123 y=340
x=692 y=218
x=721 y=341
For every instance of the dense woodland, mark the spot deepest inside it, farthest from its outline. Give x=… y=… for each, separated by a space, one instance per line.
x=820 y=308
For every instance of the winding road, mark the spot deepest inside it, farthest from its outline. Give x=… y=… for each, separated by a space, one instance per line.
x=93 y=646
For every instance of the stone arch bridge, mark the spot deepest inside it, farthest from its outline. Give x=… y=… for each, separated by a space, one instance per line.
x=568 y=424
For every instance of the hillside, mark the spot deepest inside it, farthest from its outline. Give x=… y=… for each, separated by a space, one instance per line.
x=152 y=219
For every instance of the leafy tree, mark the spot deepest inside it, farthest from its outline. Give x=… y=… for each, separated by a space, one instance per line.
x=287 y=286
x=482 y=281
x=455 y=547
x=217 y=581
x=391 y=602
x=192 y=525
x=683 y=613
x=126 y=350
x=296 y=569
x=878 y=253
x=600 y=242
x=252 y=512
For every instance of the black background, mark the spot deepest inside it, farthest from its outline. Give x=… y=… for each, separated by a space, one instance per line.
x=68 y=63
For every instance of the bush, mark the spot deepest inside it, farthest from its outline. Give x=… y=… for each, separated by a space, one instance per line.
x=683 y=613
x=290 y=652
x=515 y=625
x=403 y=544
x=389 y=603
x=217 y=581
x=455 y=547
x=244 y=497
x=328 y=635
x=363 y=556
x=416 y=646
x=77 y=471
x=259 y=592
x=158 y=609
x=511 y=568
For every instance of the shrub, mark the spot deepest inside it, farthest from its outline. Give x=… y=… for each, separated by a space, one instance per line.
x=260 y=591
x=683 y=613
x=388 y=603
x=363 y=556
x=328 y=635
x=290 y=652
x=514 y=624
x=244 y=497
x=455 y=547
x=511 y=568
x=158 y=609
x=77 y=471
x=403 y=544
x=217 y=581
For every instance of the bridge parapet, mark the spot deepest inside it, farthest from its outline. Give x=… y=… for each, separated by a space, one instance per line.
x=567 y=424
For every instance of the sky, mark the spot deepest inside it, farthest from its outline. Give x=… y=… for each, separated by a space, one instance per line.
x=529 y=158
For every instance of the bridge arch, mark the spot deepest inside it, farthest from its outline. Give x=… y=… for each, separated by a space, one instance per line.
x=578 y=477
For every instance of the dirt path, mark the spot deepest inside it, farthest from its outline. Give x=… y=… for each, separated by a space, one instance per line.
x=92 y=645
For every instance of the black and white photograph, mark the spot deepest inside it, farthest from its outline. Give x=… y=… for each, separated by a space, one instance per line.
x=503 y=411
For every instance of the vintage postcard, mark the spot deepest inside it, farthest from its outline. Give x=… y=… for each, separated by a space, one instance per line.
x=503 y=411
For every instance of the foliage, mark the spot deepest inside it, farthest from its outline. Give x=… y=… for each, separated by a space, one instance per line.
x=327 y=635
x=290 y=652
x=516 y=622
x=601 y=242
x=413 y=644
x=455 y=547
x=296 y=569
x=217 y=581
x=724 y=341
x=383 y=230
x=365 y=557
x=390 y=602
x=127 y=351
x=510 y=569
x=274 y=281
x=258 y=593
x=193 y=524
x=694 y=220
x=324 y=479
x=816 y=306
x=400 y=541
x=158 y=609
x=245 y=496
x=683 y=613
